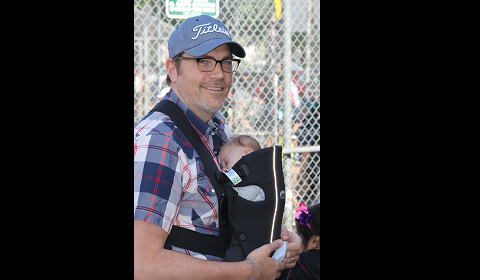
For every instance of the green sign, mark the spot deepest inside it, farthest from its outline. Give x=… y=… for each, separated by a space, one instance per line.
x=190 y=8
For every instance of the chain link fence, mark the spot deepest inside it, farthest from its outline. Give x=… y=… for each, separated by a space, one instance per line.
x=275 y=96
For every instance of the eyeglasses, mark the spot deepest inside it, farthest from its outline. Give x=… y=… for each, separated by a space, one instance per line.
x=229 y=65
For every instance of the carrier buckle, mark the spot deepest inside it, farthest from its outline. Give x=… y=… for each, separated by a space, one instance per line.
x=243 y=171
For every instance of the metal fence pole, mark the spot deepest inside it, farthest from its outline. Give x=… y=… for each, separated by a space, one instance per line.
x=287 y=128
x=276 y=109
x=145 y=62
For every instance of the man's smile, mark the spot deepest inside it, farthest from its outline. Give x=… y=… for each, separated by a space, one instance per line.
x=213 y=88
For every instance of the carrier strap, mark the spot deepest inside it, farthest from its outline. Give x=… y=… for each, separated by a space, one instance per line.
x=184 y=238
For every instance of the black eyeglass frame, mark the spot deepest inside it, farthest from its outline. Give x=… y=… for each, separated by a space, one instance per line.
x=217 y=62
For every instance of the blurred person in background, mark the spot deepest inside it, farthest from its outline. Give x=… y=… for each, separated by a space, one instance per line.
x=308 y=135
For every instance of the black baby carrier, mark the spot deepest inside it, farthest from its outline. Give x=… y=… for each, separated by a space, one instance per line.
x=244 y=225
x=254 y=224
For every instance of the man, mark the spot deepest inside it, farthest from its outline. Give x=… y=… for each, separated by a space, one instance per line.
x=170 y=184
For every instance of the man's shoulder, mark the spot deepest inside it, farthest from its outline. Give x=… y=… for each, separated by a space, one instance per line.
x=155 y=123
x=159 y=127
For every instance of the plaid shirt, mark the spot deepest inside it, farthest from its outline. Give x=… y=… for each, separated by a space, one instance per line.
x=171 y=187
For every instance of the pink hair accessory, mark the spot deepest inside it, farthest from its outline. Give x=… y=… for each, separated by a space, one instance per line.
x=303 y=215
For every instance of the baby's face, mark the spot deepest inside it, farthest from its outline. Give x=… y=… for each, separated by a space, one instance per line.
x=230 y=154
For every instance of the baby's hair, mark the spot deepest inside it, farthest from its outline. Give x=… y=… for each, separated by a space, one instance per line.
x=244 y=141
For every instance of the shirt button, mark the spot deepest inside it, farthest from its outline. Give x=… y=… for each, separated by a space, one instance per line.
x=213 y=191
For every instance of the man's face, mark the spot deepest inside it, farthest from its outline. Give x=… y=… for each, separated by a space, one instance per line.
x=204 y=92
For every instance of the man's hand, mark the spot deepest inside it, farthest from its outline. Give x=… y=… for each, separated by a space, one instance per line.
x=152 y=261
x=294 y=247
x=267 y=268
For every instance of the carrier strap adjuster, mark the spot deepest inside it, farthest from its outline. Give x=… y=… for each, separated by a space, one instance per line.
x=243 y=171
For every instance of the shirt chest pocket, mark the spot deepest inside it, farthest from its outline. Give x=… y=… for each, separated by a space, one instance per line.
x=203 y=182
x=200 y=203
x=205 y=188
x=200 y=194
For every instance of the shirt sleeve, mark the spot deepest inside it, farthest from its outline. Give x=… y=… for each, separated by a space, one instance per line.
x=157 y=176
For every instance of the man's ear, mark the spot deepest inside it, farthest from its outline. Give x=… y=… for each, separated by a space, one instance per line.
x=248 y=151
x=171 y=69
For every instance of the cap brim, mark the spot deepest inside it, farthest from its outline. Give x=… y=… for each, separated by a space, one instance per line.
x=209 y=46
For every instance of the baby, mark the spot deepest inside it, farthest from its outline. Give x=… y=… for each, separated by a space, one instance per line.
x=231 y=153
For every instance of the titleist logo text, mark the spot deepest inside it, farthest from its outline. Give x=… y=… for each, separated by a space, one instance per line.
x=206 y=28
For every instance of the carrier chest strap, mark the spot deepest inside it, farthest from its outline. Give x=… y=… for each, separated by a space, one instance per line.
x=184 y=238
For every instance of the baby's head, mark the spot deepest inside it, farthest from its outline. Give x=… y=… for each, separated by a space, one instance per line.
x=235 y=149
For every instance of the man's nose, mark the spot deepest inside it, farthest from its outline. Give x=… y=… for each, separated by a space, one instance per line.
x=217 y=73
